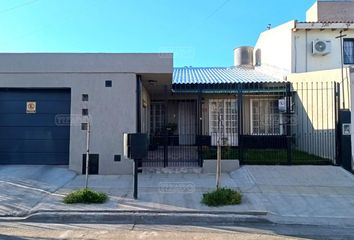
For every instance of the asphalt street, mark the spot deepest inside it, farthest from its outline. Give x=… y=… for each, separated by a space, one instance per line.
x=22 y=231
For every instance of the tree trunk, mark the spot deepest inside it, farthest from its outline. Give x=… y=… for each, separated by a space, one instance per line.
x=218 y=166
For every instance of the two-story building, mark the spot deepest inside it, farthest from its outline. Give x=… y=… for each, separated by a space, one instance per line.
x=312 y=54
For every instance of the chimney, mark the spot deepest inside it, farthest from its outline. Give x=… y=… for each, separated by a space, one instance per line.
x=331 y=11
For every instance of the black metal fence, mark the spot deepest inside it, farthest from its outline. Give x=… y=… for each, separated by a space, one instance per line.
x=282 y=124
x=256 y=123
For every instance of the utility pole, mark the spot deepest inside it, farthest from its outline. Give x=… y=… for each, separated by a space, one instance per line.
x=340 y=37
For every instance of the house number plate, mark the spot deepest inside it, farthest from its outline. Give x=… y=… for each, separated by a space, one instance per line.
x=31 y=107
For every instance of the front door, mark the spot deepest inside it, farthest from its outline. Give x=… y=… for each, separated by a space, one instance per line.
x=186 y=123
x=173 y=135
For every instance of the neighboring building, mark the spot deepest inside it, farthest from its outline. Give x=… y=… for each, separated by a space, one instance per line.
x=312 y=54
x=331 y=11
x=297 y=47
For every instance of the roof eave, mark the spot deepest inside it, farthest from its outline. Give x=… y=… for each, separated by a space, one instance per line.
x=323 y=25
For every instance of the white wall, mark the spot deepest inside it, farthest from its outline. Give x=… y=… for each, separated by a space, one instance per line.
x=312 y=13
x=305 y=61
x=276 y=46
x=285 y=51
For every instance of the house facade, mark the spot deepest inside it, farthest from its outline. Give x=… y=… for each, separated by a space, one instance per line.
x=321 y=44
x=224 y=103
x=281 y=96
x=46 y=99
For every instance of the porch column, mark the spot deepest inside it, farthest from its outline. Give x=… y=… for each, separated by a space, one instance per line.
x=240 y=120
x=288 y=122
x=165 y=122
x=199 y=126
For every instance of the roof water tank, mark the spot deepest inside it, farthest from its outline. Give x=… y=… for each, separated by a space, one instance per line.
x=243 y=57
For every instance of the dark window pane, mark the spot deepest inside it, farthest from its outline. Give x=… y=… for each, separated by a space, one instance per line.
x=108 y=83
x=348 y=51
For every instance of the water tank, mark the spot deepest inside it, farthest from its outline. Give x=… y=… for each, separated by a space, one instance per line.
x=243 y=57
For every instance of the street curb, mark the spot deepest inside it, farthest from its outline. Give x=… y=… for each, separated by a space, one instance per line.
x=172 y=218
x=312 y=221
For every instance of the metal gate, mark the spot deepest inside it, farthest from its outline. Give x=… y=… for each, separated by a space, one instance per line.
x=172 y=136
x=258 y=123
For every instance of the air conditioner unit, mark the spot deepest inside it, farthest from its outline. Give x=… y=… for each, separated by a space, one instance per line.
x=321 y=47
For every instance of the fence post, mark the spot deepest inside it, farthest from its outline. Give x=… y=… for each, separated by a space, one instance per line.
x=165 y=131
x=336 y=123
x=240 y=122
x=199 y=125
x=288 y=122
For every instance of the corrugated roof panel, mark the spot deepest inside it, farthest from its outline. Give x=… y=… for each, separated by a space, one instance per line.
x=220 y=75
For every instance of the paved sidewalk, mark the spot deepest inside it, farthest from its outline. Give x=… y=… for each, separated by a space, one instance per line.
x=295 y=194
x=157 y=192
x=305 y=194
x=23 y=187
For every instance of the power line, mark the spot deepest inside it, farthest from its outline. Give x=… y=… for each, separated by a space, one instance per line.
x=18 y=6
x=217 y=9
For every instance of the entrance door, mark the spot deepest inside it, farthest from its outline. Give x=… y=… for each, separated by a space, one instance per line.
x=187 y=122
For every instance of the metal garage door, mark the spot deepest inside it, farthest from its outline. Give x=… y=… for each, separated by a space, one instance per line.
x=34 y=127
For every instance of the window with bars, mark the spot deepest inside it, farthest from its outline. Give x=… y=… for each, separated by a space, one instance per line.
x=348 y=51
x=265 y=117
x=223 y=121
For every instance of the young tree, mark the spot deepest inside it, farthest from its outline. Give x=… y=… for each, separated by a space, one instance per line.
x=218 y=150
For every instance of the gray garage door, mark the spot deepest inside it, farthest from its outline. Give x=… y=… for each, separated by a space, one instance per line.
x=34 y=127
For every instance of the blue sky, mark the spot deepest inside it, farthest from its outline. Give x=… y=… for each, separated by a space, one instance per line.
x=199 y=32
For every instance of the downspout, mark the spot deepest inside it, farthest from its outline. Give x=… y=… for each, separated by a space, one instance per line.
x=306 y=49
x=138 y=104
x=137 y=162
x=295 y=55
x=342 y=64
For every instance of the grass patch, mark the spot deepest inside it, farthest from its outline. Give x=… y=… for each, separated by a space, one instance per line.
x=267 y=156
x=222 y=197
x=85 y=196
